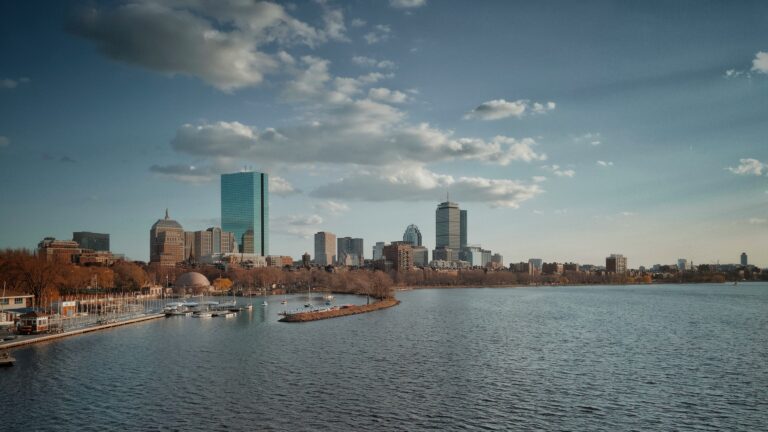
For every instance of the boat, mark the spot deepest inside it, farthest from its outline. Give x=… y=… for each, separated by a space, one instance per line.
x=264 y=303
x=6 y=360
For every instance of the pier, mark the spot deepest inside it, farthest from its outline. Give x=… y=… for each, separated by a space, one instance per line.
x=339 y=312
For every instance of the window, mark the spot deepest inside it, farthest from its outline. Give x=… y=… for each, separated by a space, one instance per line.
x=4 y=301
x=19 y=300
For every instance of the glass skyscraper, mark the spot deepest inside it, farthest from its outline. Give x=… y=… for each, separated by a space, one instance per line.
x=245 y=207
x=448 y=226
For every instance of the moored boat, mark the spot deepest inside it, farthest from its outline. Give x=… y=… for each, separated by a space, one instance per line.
x=6 y=359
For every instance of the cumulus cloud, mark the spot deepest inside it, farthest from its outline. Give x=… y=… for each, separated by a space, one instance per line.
x=556 y=170
x=372 y=62
x=416 y=183
x=407 y=4
x=4 y=141
x=304 y=220
x=380 y=33
x=357 y=22
x=605 y=163
x=386 y=95
x=222 y=42
x=758 y=221
x=760 y=62
x=332 y=207
x=539 y=179
x=498 y=109
x=8 y=83
x=749 y=166
x=205 y=173
x=281 y=187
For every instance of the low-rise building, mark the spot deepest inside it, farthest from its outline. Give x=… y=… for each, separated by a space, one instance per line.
x=400 y=254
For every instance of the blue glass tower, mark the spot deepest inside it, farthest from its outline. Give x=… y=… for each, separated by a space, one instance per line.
x=245 y=210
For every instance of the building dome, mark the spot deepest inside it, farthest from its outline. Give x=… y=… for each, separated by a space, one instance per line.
x=412 y=235
x=192 y=280
x=166 y=223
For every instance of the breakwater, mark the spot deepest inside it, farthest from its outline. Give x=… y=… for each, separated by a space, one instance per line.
x=335 y=313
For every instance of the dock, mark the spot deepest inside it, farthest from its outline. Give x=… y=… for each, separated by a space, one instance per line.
x=49 y=337
x=338 y=312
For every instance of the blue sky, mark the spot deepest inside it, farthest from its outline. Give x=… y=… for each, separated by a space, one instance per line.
x=568 y=131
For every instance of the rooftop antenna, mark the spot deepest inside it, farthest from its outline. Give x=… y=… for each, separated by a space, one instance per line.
x=166 y=213
x=447 y=196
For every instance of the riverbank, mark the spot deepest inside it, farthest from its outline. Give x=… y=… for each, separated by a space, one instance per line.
x=351 y=310
x=27 y=340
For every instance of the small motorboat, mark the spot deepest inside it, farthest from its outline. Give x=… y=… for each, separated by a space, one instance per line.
x=6 y=360
x=264 y=303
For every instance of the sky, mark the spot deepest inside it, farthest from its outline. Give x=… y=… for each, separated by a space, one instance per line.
x=568 y=130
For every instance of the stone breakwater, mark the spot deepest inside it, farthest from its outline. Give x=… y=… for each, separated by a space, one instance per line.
x=335 y=313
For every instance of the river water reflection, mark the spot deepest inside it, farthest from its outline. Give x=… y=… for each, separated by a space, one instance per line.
x=676 y=357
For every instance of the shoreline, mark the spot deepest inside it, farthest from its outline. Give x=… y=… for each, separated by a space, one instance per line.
x=352 y=310
x=473 y=286
x=50 y=337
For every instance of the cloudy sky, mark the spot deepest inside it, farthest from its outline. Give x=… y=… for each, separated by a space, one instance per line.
x=569 y=131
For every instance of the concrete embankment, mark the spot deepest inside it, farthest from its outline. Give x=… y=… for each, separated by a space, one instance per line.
x=351 y=310
x=49 y=337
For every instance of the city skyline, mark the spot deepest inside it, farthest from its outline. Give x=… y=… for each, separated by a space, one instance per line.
x=650 y=141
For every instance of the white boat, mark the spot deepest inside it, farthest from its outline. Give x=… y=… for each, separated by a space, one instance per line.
x=202 y=314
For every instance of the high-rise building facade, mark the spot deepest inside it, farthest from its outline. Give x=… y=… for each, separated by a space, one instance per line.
x=744 y=259
x=349 y=251
x=378 y=251
x=244 y=208
x=92 y=241
x=412 y=235
x=463 y=228
x=166 y=242
x=448 y=225
x=325 y=245
x=420 y=256
x=400 y=254
x=616 y=263
x=200 y=244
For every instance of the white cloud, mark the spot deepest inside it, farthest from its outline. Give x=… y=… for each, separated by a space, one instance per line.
x=407 y=4
x=556 y=170
x=592 y=138
x=733 y=73
x=205 y=173
x=386 y=95
x=749 y=166
x=332 y=207
x=357 y=22
x=281 y=187
x=627 y=213
x=8 y=83
x=605 y=163
x=304 y=220
x=222 y=42
x=760 y=62
x=372 y=62
x=539 y=179
x=498 y=109
x=380 y=33
x=416 y=183
x=4 y=141
x=758 y=221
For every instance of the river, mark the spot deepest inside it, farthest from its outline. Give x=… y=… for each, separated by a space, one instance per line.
x=661 y=357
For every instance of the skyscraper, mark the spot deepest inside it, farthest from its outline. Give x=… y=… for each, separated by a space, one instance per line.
x=245 y=207
x=412 y=235
x=616 y=263
x=463 y=229
x=166 y=242
x=744 y=259
x=350 y=251
x=447 y=225
x=378 y=251
x=325 y=244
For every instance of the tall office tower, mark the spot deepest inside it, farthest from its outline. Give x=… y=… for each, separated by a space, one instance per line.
x=245 y=207
x=412 y=235
x=536 y=264
x=325 y=244
x=744 y=260
x=93 y=241
x=463 y=228
x=198 y=244
x=448 y=226
x=378 y=251
x=616 y=263
x=350 y=251
x=166 y=242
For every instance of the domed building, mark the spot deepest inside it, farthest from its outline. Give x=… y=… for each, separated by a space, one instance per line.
x=192 y=282
x=412 y=235
x=166 y=242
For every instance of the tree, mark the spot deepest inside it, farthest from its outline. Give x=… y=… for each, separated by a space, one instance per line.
x=129 y=276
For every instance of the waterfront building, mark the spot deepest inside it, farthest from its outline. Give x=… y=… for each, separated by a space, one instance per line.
x=192 y=283
x=166 y=242
x=571 y=267
x=616 y=263
x=420 y=256
x=552 y=268
x=400 y=254
x=463 y=228
x=522 y=267
x=349 y=251
x=497 y=260
x=439 y=264
x=92 y=241
x=445 y=254
x=279 y=261
x=744 y=259
x=378 y=251
x=684 y=265
x=61 y=251
x=306 y=260
x=412 y=235
x=325 y=243
x=536 y=264
x=209 y=242
x=245 y=210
